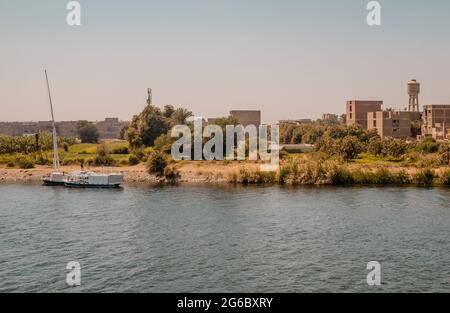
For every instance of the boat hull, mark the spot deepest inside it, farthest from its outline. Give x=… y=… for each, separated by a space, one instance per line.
x=47 y=182
x=76 y=185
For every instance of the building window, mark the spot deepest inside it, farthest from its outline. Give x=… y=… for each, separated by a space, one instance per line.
x=375 y=123
x=351 y=115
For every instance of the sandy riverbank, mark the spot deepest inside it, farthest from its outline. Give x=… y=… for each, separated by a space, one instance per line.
x=196 y=172
x=207 y=172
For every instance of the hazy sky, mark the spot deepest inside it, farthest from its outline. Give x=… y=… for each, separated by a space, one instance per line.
x=289 y=58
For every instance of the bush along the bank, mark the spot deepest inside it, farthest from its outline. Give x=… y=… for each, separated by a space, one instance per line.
x=253 y=177
x=133 y=160
x=25 y=163
x=102 y=158
x=444 y=178
x=171 y=174
x=329 y=172
x=156 y=163
x=424 y=177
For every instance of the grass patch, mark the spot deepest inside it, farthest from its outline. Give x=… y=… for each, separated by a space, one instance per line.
x=367 y=158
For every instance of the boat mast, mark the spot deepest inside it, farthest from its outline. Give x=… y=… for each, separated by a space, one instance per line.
x=55 y=141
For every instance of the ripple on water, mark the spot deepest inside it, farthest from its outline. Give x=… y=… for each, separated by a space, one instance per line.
x=224 y=239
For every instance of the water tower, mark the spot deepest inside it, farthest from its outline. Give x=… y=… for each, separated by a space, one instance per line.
x=413 y=92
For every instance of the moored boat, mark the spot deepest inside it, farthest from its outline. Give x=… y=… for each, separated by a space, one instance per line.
x=85 y=179
x=80 y=178
x=54 y=179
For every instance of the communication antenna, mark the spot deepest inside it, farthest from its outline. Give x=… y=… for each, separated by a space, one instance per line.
x=149 y=98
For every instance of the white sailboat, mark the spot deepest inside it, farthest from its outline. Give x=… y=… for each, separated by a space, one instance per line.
x=56 y=177
x=78 y=178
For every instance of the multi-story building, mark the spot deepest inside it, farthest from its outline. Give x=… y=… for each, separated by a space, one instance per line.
x=436 y=121
x=357 y=111
x=396 y=124
x=247 y=117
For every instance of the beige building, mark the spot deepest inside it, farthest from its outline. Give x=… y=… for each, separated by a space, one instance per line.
x=396 y=124
x=110 y=128
x=247 y=117
x=213 y=120
x=436 y=121
x=357 y=111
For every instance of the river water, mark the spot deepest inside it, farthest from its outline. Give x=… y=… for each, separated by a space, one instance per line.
x=224 y=239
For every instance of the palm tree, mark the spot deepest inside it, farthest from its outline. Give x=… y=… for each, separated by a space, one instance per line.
x=180 y=116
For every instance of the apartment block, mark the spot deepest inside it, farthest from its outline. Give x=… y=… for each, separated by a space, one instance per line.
x=357 y=111
x=436 y=121
x=396 y=124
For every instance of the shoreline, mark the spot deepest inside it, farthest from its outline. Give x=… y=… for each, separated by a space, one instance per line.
x=132 y=175
x=214 y=173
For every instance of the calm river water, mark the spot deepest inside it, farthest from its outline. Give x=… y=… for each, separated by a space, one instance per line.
x=224 y=239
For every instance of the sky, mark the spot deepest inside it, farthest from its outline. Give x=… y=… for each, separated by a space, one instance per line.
x=291 y=59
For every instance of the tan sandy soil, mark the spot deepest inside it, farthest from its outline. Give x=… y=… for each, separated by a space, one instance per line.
x=190 y=171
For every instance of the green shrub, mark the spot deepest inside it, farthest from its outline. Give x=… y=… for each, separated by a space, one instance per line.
x=444 y=178
x=382 y=176
x=256 y=177
x=393 y=147
x=103 y=160
x=346 y=148
x=120 y=150
x=25 y=163
x=164 y=143
x=375 y=146
x=424 y=177
x=171 y=173
x=428 y=145
x=444 y=154
x=360 y=177
x=140 y=153
x=156 y=163
x=40 y=160
x=133 y=160
x=401 y=178
x=10 y=164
